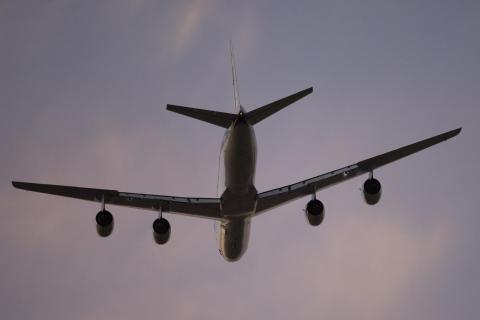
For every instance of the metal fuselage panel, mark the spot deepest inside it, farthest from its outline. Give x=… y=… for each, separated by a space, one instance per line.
x=239 y=152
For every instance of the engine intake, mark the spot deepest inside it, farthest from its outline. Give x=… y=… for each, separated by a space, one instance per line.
x=104 y=221
x=315 y=212
x=161 y=230
x=372 y=191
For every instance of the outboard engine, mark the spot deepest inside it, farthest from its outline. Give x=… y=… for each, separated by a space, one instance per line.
x=161 y=230
x=315 y=212
x=372 y=190
x=104 y=221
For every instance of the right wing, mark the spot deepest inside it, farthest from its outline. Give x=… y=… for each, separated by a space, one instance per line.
x=198 y=207
x=270 y=199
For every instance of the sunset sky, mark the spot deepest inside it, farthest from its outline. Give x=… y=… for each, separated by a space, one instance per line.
x=83 y=90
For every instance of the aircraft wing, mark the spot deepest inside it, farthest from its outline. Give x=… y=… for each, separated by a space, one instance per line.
x=270 y=199
x=199 y=207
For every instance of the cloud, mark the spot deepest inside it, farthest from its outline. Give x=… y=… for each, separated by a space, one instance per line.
x=243 y=25
x=363 y=268
x=189 y=20
x=358 y=265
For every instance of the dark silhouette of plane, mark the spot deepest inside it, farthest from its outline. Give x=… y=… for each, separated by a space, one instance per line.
x=240 y=201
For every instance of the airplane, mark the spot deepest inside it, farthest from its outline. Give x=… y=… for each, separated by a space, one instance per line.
x=240 y=201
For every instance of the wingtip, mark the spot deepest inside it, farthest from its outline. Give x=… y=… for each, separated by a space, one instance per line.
x=450 y=134
x=21 y=185
x=455 y=132
x=305 y=92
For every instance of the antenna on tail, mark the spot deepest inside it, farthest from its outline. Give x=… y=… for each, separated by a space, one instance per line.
x=236 y=94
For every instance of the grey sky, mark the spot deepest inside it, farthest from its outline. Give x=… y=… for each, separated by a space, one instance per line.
x=83 y=87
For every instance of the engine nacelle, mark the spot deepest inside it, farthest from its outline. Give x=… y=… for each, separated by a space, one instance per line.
x=104 y=221
x=372 y=191
x=161 y=231
x=315 y=212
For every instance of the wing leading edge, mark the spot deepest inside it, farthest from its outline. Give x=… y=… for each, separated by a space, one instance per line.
x=198 y=207
x=273 y=198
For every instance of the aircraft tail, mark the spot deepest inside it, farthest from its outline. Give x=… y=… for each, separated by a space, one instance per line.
x=221 y=119
x=236 y=92
x=261 y=113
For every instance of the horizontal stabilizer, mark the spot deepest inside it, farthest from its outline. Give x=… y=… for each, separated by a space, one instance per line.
x=261 y=113
x=221 y=119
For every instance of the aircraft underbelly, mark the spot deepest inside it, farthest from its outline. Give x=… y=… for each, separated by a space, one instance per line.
x=240 y=159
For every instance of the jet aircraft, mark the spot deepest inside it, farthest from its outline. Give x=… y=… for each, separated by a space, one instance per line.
x=240 y=200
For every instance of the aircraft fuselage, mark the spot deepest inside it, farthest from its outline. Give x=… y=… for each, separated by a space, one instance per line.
x=238 y=200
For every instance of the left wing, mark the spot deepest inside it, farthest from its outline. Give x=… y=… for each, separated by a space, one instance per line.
x=198 y=207
x=270 y=199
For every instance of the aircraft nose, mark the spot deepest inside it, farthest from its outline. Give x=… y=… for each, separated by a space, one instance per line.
x=232 y=255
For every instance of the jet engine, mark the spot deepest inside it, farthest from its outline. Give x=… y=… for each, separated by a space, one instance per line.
x=161 y=230
x=104 y=223
x=315 y=212
x=372 y=190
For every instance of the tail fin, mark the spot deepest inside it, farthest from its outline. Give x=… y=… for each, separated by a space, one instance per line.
x=221 y=119
x=236 y=93
x=261 y=113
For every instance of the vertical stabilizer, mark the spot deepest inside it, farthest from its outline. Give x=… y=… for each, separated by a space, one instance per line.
x=236 y=94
